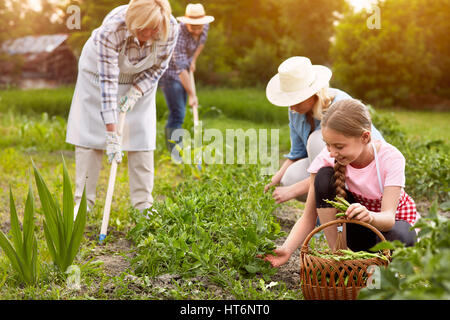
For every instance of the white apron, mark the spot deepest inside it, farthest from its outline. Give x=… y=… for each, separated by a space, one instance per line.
x=85 y=127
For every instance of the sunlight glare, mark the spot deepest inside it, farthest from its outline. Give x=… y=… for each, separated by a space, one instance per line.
x=361 y=4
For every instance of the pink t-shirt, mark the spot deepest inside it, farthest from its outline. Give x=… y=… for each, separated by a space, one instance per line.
x=364 y=181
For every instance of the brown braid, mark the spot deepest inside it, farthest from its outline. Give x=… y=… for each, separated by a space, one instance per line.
x=339 y=179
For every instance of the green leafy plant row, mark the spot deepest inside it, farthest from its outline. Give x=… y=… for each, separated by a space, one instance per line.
x=214 y=227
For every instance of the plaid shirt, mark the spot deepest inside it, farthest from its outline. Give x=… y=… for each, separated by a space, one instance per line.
x=184 y=52
x=406 y=208
x=109 y=39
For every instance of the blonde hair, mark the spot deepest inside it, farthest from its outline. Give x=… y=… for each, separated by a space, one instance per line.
x=351 y=118
x=149 y=14
x=323 y=102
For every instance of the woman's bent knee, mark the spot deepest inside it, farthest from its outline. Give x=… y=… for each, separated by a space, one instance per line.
x=296 y=172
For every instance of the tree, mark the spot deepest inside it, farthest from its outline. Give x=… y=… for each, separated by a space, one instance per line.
x=308 y=27
x=92 y=15
x=261 y=34
x=392 y=64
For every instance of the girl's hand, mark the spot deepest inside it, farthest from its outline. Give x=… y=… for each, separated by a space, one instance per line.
x=282 y=256
x=359 y=212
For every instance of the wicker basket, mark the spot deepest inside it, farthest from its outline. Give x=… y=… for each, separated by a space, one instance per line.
x=325 y=279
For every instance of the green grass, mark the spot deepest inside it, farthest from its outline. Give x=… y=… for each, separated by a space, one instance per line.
x=240 y=104
x=431 y=125
x=37 y=101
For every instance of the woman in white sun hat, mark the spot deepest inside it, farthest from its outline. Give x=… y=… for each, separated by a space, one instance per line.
x=119 y=69
x=304 y=88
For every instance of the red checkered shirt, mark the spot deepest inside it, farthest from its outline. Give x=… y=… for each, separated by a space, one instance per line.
x=406 y=209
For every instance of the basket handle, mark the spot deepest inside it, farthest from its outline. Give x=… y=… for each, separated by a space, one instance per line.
x=339 y=221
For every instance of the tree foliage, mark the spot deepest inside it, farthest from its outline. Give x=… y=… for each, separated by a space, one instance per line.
x=405 y=57
x=250 y=38
x=246 y=43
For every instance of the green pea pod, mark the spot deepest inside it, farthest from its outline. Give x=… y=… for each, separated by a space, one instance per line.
x=337 y=205
x=343 y=201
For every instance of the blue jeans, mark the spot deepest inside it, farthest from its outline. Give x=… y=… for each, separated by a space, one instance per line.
x=176 y=98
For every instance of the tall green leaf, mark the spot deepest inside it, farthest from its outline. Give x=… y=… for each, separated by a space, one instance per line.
x=68 y=204
x=28 y=225
x=78 y=230
x=49 y=208
x=15 y=227
x=50 y=245
x=7 y=247
x=22 y=253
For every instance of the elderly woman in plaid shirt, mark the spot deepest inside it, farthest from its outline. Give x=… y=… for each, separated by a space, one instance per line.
x=119 y=69
x=176 y=82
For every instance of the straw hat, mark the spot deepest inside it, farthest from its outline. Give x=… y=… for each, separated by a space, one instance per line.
x=297 y=80
x=195 y=14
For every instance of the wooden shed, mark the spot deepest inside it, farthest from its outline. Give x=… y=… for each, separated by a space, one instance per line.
x=47 y=61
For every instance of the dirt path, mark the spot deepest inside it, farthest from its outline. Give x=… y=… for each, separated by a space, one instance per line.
x=115 y=256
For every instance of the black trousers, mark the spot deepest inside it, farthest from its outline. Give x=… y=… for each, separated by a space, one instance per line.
x=359 y=238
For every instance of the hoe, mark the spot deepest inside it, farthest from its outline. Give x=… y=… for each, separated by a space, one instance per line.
x=112 y=180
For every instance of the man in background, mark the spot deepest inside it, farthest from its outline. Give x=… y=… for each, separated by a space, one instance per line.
x=177 y=83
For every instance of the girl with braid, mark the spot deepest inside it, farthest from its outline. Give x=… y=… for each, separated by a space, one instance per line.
x=369 y=173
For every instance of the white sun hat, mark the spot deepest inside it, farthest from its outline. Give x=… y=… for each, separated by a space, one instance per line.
x=297 y=80
x=195 y=14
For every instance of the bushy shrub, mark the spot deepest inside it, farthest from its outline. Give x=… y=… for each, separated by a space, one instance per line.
x=393 y=64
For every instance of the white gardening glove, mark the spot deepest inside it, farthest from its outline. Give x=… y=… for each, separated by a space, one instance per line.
x=113 y=146
x=127 y=102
